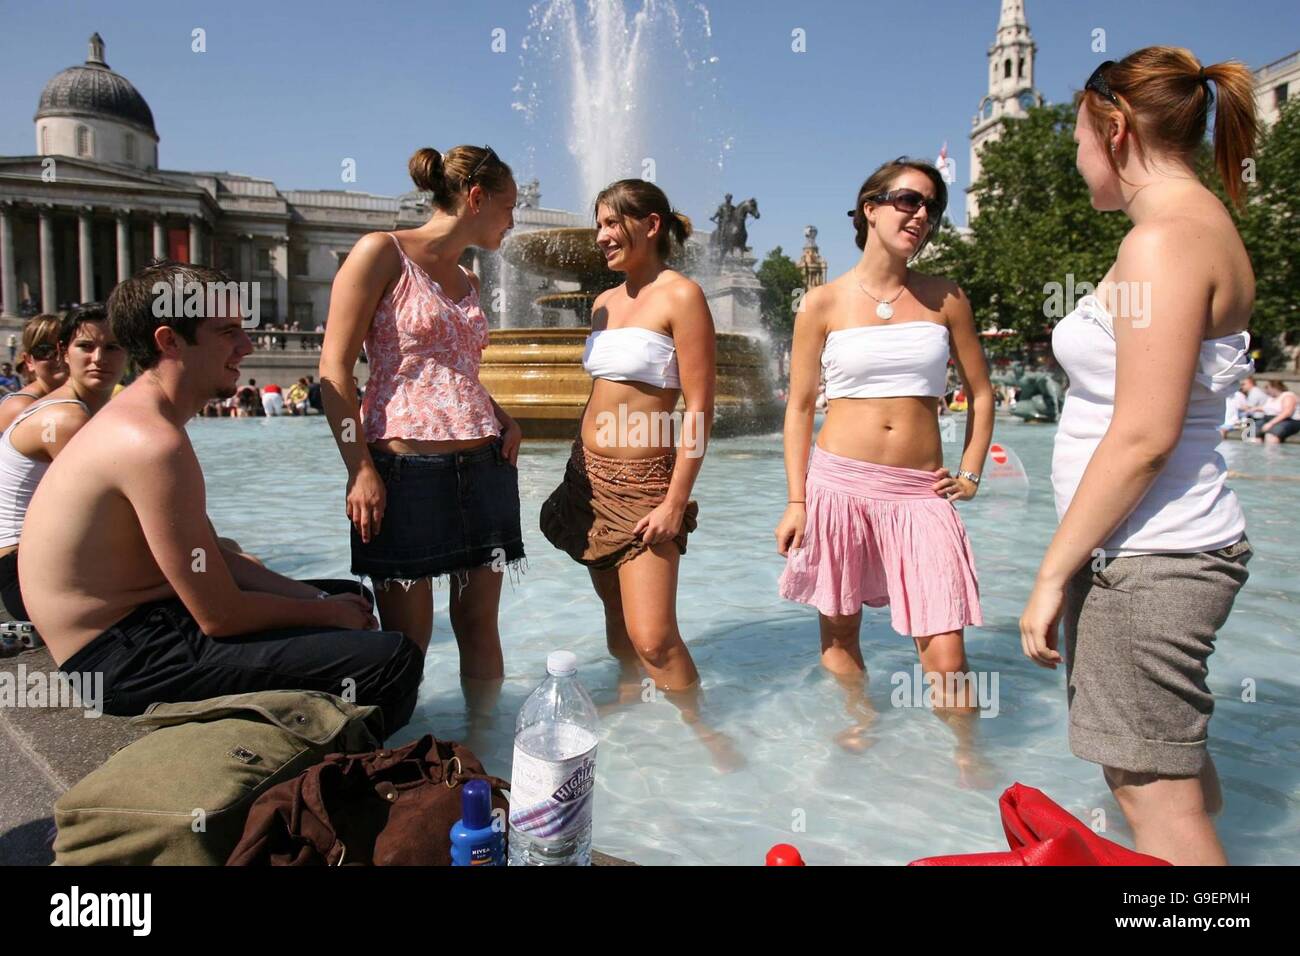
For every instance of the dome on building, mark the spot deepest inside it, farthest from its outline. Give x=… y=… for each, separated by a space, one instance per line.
x=95 y=91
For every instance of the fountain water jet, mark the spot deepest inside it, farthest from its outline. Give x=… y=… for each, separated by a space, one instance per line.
x=613 y=75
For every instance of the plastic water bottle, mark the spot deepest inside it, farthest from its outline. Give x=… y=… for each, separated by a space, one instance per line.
x=553 y=779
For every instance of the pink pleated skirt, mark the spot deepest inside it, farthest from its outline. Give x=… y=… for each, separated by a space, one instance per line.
x=879 y=535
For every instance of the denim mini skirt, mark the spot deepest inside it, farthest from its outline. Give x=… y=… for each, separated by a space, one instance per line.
x=443 y=514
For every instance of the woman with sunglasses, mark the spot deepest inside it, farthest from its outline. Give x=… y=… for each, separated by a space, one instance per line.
x=89 y=351
x=39 y=363
x=870 y=519
x=1151 y=549
x=432 y=485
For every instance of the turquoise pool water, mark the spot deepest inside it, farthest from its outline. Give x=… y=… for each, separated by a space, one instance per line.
x=898 y=793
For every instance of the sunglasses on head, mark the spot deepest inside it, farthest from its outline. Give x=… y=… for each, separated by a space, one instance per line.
x=44 y=351
x=909 y=201
x=1097 y=82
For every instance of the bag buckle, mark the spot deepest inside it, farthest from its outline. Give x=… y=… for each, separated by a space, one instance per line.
x=450 y=778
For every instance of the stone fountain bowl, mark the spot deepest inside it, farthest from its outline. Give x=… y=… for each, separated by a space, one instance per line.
x=537 y=375
x=570 y=254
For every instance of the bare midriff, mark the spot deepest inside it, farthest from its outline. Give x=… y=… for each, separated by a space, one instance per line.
x=628 y=419
x=899 y=432
x=407 y=446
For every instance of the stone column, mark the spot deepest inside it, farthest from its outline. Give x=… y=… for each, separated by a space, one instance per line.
x=86 y=253
x=159 y=239
x=195 y=236
x=123 y=245
x=8 y=274
x=280 y=266
x=246 y=257
x=49 y=291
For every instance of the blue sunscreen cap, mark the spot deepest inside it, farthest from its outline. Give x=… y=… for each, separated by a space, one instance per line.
x=476 y=804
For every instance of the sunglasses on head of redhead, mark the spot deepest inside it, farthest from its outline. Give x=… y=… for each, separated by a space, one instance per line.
x=1097 y=82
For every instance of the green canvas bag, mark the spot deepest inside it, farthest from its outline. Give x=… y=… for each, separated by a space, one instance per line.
x=180 y=794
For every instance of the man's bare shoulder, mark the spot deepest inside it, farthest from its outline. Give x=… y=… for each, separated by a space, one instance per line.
x=132 y=430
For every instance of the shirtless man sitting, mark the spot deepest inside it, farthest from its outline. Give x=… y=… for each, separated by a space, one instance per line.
x=123 y=574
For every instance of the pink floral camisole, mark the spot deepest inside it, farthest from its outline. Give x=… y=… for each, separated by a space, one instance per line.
x=424 y=352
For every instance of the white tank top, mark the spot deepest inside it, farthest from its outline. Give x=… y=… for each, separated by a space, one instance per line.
x=887 y=361
x=632 y=354
x=19 y=475
x=1271 y=407
x=1189 y=506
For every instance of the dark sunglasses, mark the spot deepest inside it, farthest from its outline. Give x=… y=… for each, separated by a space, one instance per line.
x=909 y=201
x=44 y=351
x=1097 y=82
x=488 y=156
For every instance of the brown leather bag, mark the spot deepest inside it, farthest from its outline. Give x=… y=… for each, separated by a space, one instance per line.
x=392 y=807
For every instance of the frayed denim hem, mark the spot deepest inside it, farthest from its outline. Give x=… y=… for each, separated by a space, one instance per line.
x=514 y=570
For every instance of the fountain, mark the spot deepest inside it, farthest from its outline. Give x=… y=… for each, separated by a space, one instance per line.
x=551 y=270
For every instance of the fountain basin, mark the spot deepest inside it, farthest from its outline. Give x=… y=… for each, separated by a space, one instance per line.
x=537 y=376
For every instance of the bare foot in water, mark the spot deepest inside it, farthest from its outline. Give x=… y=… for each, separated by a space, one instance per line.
x=973 y=771
x=727 y=758
x=857 y=738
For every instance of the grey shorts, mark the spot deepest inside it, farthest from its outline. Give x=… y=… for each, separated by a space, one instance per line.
x=1138 y=637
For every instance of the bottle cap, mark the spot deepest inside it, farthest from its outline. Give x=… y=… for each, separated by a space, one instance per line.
x=476 y=804
x=561 y=663
x=783 y=854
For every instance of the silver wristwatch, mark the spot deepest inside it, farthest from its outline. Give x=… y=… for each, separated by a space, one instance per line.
x=970 y=476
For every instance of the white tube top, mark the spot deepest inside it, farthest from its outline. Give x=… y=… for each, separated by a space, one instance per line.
x=19 y=475
x=1189 y=506
x=632 y=354
x=887 y=361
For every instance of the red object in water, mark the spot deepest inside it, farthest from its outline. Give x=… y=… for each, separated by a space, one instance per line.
x=998 y=454
x=1041 y=833
x=783 y=854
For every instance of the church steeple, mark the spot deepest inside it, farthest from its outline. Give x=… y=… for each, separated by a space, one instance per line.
x=1011 y=90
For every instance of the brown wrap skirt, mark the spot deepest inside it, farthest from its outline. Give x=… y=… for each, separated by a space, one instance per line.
x=590 y=516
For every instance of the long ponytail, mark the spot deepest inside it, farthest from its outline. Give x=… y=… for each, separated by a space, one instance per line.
x=1166 y=97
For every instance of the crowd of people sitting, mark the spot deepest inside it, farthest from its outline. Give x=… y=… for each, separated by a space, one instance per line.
x=249 y=401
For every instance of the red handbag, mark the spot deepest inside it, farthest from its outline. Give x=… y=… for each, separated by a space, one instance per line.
x=1041 y=833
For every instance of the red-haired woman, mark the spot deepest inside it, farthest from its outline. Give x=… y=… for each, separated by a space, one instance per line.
x=1151 y=550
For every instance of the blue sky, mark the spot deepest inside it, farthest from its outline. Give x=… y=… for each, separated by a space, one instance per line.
x=287 y=89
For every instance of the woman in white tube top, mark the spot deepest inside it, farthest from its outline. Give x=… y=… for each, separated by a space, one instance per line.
x=870 y=519
x=1151 y=549
x=624 y=509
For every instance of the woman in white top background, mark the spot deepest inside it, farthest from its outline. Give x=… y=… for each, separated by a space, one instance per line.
x=870 y=518
x=1150 y=551
x=624 y=508
x=1284 y=413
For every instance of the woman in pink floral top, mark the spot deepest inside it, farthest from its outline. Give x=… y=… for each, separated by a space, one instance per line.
x=432 y=483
